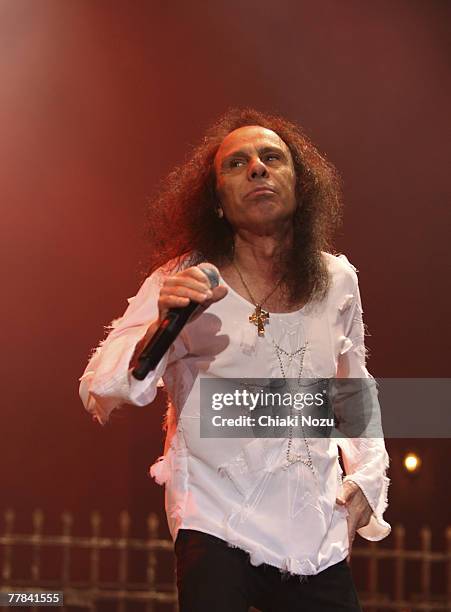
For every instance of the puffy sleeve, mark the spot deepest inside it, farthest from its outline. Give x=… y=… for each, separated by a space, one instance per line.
x=107 y=383
x=365 y=458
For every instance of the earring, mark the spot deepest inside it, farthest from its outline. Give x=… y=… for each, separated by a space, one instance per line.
x=220 y=212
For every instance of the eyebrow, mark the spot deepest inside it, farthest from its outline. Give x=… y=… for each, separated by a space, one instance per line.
x=261 y=151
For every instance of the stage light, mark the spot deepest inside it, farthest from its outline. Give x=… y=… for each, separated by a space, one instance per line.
x=412 y=462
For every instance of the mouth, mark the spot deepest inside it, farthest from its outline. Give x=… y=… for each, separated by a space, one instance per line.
x=260 y=191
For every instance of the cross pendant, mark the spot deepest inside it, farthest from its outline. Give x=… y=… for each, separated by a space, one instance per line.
x=259 y=318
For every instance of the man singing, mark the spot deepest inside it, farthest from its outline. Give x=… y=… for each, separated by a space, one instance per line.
x=263 y=522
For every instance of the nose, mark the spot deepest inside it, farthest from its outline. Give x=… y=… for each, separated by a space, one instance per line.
x=257 y=169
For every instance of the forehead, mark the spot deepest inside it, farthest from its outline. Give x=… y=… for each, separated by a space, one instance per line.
x=249 y=137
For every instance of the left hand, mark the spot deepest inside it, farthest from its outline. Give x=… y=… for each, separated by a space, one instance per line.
x=359 y=510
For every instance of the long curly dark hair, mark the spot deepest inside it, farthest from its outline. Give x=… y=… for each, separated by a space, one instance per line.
x=184 y=227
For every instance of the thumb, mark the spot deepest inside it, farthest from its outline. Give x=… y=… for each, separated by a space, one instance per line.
x=348 y=491
x=219 y=293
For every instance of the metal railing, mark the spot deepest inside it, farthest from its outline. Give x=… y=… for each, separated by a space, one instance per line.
x=23 y=567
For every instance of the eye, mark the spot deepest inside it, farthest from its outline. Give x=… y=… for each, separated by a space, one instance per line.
x=237 y=163
x=272 y=157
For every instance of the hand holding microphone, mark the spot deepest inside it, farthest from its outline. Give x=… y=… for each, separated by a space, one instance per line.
x=183 y=297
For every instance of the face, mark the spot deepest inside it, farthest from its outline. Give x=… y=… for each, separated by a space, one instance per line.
x=255 y=179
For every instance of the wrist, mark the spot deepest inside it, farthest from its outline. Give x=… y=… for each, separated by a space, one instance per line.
x=141 y=344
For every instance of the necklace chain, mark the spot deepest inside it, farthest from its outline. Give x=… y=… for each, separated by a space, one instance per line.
x=254 y=301
x=290 y=459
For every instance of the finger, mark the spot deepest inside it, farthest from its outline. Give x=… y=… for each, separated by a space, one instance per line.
x=187 y=281
x=352 y=524
x=168 y=302
x=171 y=301
x=346 y=495
x=186 y=292
x=351 y=537
x=348 y=492
x=365 y=518
x=196 y=272
x=350 y=543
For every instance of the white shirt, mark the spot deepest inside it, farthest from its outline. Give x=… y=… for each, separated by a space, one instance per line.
x=240 y=489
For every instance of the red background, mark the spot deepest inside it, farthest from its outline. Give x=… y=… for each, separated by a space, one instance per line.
x=98 y=101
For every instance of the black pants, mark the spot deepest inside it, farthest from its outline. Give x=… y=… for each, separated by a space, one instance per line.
x=214 y=577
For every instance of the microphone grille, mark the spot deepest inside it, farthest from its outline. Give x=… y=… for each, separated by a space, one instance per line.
x=212 y=275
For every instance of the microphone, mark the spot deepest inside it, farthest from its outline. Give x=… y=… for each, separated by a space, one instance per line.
x=167 y=332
